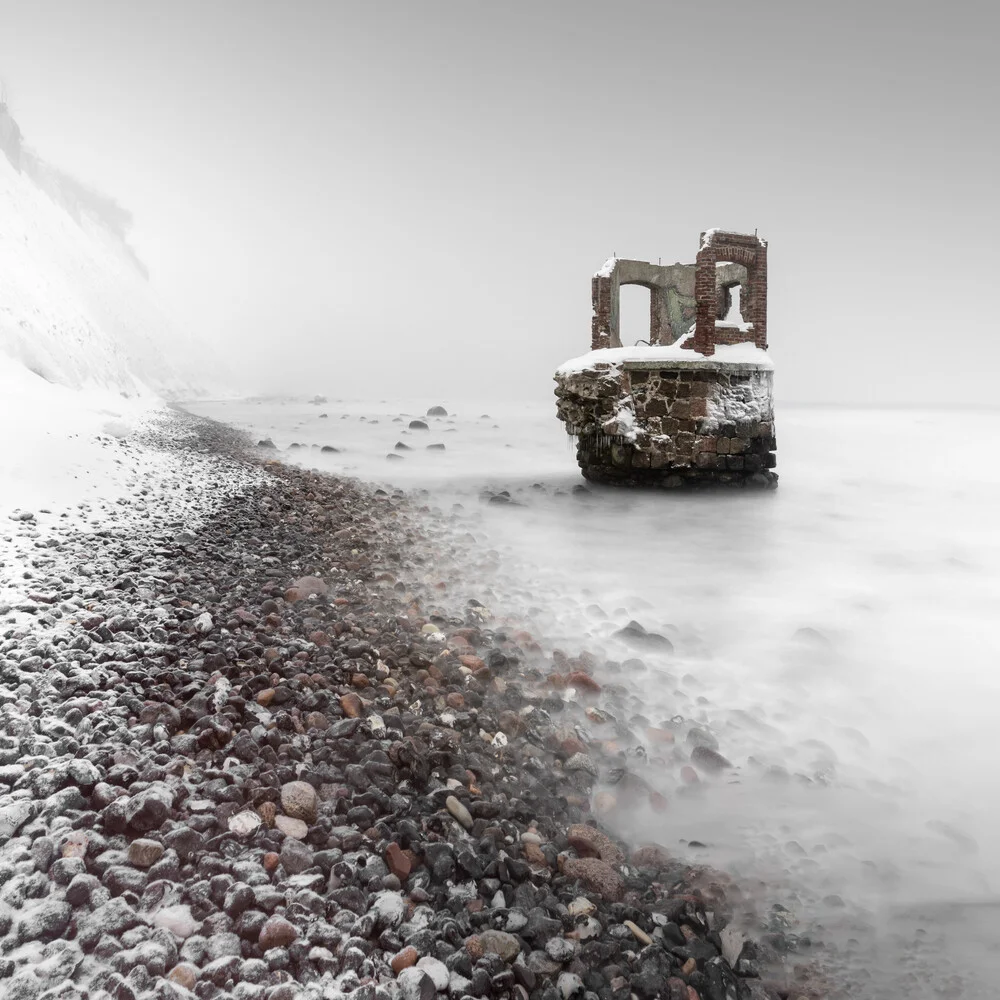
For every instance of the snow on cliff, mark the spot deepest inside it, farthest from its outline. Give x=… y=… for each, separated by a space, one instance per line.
x=74 y=307
x=86 y=350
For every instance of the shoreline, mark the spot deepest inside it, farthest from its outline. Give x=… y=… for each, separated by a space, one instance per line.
x=202 y=707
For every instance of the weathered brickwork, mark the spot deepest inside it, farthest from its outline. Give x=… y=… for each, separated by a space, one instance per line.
x=602 y=290
x=671 y=422
x=735 y=248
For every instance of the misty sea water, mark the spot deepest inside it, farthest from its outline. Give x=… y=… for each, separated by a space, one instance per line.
x=838 y=638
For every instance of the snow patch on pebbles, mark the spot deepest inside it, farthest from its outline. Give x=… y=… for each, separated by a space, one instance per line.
x=134 y=687
x=64 y=472
x=177 y=919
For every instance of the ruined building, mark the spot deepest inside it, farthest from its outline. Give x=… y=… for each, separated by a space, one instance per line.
x=694 y=406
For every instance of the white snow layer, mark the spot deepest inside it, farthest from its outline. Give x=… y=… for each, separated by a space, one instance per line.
x=72 y=474
x=750 y=400
x=57 y=442
x=724 y=354
x=622 y=422
x=86 y=351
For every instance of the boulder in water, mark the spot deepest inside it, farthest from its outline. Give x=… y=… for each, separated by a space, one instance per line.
x=635 y=635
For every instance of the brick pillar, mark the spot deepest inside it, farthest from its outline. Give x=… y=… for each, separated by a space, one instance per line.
x=760 y=297
x=706 y=302
x=600 y=324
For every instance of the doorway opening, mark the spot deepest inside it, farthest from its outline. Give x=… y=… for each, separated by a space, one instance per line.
x=635 y=304
x=734 y=312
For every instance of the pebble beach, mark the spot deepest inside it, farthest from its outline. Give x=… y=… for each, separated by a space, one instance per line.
x=247 y=751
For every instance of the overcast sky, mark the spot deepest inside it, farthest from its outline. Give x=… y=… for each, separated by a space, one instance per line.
x=421 y=190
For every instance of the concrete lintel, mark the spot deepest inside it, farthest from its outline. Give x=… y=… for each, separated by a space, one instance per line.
x=702 y=364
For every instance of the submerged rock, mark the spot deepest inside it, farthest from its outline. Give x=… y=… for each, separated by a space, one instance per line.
x=635 y=635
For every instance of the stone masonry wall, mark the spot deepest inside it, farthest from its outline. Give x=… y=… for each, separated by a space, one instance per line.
x=676 y=426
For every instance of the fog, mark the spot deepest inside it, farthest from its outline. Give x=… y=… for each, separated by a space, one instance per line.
x=418 y=194
x=398 y=205
x=834 y=637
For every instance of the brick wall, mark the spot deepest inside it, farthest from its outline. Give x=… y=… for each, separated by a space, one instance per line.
x=733 y=335
x=601 y=291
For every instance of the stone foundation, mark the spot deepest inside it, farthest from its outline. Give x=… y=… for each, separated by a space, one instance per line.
x=672 y=423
